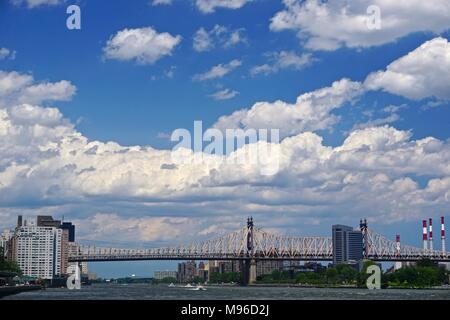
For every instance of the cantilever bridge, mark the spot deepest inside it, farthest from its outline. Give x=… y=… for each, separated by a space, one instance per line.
x=252 y=243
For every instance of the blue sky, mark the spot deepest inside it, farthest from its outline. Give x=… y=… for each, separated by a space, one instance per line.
x=133 y=103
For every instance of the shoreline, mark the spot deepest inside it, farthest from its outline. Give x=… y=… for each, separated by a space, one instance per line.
x=11 y=290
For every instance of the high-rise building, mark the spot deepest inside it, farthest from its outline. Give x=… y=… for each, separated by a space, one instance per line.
x=47 y=221
x=71 y=229
x=38 y=250
x=41 y=247
x=186 y=271
x=347 y=244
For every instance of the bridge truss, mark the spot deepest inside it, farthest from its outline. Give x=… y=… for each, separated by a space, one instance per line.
x=265 y=246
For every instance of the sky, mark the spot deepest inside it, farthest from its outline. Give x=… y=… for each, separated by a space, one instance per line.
x=361 y=102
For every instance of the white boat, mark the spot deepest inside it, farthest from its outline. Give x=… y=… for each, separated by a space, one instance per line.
x=171 y=285
x=198 y=288
x=188 y=286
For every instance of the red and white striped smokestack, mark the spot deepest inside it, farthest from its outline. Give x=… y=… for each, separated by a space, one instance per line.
x=431 y=234
x=443 y=234
x=424 y=236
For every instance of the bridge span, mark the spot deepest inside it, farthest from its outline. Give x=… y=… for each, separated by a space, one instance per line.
x=254 y=244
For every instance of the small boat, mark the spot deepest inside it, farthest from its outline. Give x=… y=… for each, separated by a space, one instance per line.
x=171 y=285
x=188 y=286
x=198 y=288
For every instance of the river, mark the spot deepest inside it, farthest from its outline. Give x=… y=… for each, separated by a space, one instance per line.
x=147 y=291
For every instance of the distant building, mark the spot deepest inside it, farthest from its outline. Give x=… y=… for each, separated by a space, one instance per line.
x=5 y=237
x=347 y=244
x=268 y=266
x=47 y=221
x=186 y=271
x=159 y=275
x=203 y=271
x=71 y=230
x=72 y=249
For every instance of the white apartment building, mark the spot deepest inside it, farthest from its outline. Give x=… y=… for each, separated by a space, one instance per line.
x=38 y=252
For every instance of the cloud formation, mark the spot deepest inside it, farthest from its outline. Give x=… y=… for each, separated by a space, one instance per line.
x=218 y=71
x=282 y=60
x=135 y=192
x=6 y=53
x=329 y=25
x=224 y=94
x=37 y=3
x=204 y=40
x=21 y=88
x=143 y=45
x=210 y=6
x=423 y=73
x=311 y=111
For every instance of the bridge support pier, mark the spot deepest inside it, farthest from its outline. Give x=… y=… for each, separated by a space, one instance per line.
x=252 y=276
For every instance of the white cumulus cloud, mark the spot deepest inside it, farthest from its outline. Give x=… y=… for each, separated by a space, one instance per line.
x=144 y=45
x=424 y=72
x=328 y=25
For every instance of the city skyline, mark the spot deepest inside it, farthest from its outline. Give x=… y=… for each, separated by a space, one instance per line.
x=86 y=117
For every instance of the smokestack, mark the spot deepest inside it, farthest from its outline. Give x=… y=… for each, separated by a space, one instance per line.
x=431 y=235
x=424 y=236
x=443 y=234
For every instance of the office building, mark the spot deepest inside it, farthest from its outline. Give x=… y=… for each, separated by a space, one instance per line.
x=347 y=244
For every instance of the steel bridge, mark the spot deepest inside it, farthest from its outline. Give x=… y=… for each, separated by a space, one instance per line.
x=255 y=244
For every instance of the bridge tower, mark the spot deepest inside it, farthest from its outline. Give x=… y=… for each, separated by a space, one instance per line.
x=249 y=264
x=363 y=228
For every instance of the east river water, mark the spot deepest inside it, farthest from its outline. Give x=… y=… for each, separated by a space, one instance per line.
x=147 y=291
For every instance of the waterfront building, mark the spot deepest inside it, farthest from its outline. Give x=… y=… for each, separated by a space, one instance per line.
x=186 y=271
x=38 y=250
x=347 y=244
x=159 y=275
